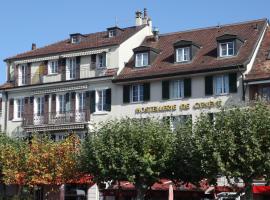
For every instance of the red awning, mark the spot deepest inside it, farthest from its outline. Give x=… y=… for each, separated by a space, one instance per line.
x=261 y=190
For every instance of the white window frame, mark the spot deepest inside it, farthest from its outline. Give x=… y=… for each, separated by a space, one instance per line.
x=179 y=89
x=222 y=82
x=101 y=100
x=71 y=68
x=142 y=59
x=75 y=39
x=18 y=108
x=22 y=74
x=101 y=62
x=227 y=54
x=112 y=33
x=139 y=93
x=53 y=67
x=80 y=101
x=183 y=54
x=39 y=106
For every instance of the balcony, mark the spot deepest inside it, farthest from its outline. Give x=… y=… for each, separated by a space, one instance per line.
x=39 y=78
x=68 y=120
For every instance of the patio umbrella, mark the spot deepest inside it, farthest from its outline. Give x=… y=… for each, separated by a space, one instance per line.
x=170 y=192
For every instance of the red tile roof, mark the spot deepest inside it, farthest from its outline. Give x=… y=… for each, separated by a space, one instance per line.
x=205 y=59
x=261 y=67
x=94 y=40
x=6 y=86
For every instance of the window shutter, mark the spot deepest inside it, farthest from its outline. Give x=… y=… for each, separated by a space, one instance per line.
x=53 y=106
x=78 y=61
x=233 y=82
x=62 y=68
x=108 y=99
x=46 y=68
x=165 y=90
x=28 y=74
x=208 y=85
x=92 y=101
x=126 y=93
x=105 y=59
x=146 y=91
x=11 y=109
x=73 y=102
x=187 y=87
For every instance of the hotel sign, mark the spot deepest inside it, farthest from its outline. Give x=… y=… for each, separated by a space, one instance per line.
x=181 y=107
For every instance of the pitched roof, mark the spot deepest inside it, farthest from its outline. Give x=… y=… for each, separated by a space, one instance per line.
x=261 y=67
x=93 y=40
x=206 y=57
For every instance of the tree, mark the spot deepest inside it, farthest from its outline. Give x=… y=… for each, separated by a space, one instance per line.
x=39 y=162
x=134 y=150
x=236 y=144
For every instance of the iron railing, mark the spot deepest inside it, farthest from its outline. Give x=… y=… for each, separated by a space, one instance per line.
x=56 y=118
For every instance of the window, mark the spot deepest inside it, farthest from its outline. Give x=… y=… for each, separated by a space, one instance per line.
x=183 y=54
x=40 y=106
x=137 y=93
x=62 y=103
x=112 y=33
x=226 y=49
x=81 y=98
x=176 y=89
x=101 y=60
x=221 y=84
x=101 y=100
x=22 y=75
x=75 y=39
x=264 y=93
x=53 y=67
x=71 y=68
x=141 y=59
x=177 y=121
x=19 y=108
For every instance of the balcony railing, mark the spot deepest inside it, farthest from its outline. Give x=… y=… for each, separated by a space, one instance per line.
x=56 y=118
x=38 y=78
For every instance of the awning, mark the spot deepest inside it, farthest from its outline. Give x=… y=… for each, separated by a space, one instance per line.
x=64 y=55
x=265 y=190
x=60 y=89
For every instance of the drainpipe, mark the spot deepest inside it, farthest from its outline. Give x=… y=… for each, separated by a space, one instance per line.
x=243 y=85
x=5 y=116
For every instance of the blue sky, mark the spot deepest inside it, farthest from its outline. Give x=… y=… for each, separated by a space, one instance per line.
x=23 y=22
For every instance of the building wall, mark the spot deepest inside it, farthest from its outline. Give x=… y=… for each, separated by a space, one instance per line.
x=120 y=110
x=126 y=48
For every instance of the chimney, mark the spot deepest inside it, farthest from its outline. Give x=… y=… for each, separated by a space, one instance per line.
x=156 y=33
x=138 y=18
x=145 y=17
x=34 y=46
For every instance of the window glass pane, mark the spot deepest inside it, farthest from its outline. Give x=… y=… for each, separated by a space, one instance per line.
x=145 y=59
x=138 y=60
x=223 y=49
x=225 y=84
x=141 y=93
x=186 y=54
x=135 y=93
x=176 y=89
x=218 y=85
x=101 y=95
x=230 y=48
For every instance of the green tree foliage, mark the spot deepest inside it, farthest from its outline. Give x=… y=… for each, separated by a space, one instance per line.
x=236 y=144
x=134 y=150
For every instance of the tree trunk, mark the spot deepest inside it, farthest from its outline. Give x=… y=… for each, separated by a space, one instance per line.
x=248 y=191
x=140 y=192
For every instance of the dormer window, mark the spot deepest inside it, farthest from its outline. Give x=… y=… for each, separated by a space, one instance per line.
x=183 y=54
x=226 y=49
x=228 y=45
x=185 y=51
x=75 y=38
x=141 y=59
x=112 y=33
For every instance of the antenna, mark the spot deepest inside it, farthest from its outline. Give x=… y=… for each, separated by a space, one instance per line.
x=116 y=21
